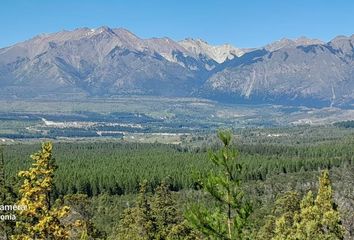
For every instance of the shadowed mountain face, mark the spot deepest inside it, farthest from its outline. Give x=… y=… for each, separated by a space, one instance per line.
x=105 y=62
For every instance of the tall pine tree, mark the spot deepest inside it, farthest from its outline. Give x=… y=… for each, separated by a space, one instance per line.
x=228 y=219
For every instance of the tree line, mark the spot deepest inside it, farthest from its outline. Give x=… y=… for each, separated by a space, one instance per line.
x=118 y=168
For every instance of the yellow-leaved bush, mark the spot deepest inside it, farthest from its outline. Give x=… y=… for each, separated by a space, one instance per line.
x=312 y=218
x=40 y=219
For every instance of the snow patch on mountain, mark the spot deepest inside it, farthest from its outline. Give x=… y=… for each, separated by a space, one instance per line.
x=219 y=53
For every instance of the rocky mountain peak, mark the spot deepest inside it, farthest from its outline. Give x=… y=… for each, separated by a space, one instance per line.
x=286 y=42
x=343 y=44
x=219 y=53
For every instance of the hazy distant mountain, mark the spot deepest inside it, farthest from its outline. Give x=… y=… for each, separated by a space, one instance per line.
x=106 y=62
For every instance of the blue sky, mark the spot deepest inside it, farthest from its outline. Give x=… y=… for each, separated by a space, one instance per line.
x=247 y=23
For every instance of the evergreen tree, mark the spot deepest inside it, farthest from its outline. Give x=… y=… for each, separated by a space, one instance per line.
x=311 y=219
x=267 y=230
x=7 y=197
x=280 y=223
x=169 y=222
x=229 y=218
x=138 y=222
x=3 y=227
x=182 y=231
x=154 y=218
x=319 y=218
x=81 y=213
x=40 y=220
x=164 y=211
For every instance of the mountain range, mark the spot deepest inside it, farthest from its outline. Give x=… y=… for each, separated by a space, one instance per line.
x=107 y=62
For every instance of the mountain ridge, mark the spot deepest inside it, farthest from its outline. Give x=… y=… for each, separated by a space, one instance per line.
x=112 y=61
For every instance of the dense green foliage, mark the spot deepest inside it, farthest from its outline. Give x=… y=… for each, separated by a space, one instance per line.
x=118 y=168
x=345 y=124
x=154 y=217
x=7 y=197
x=284 y=208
